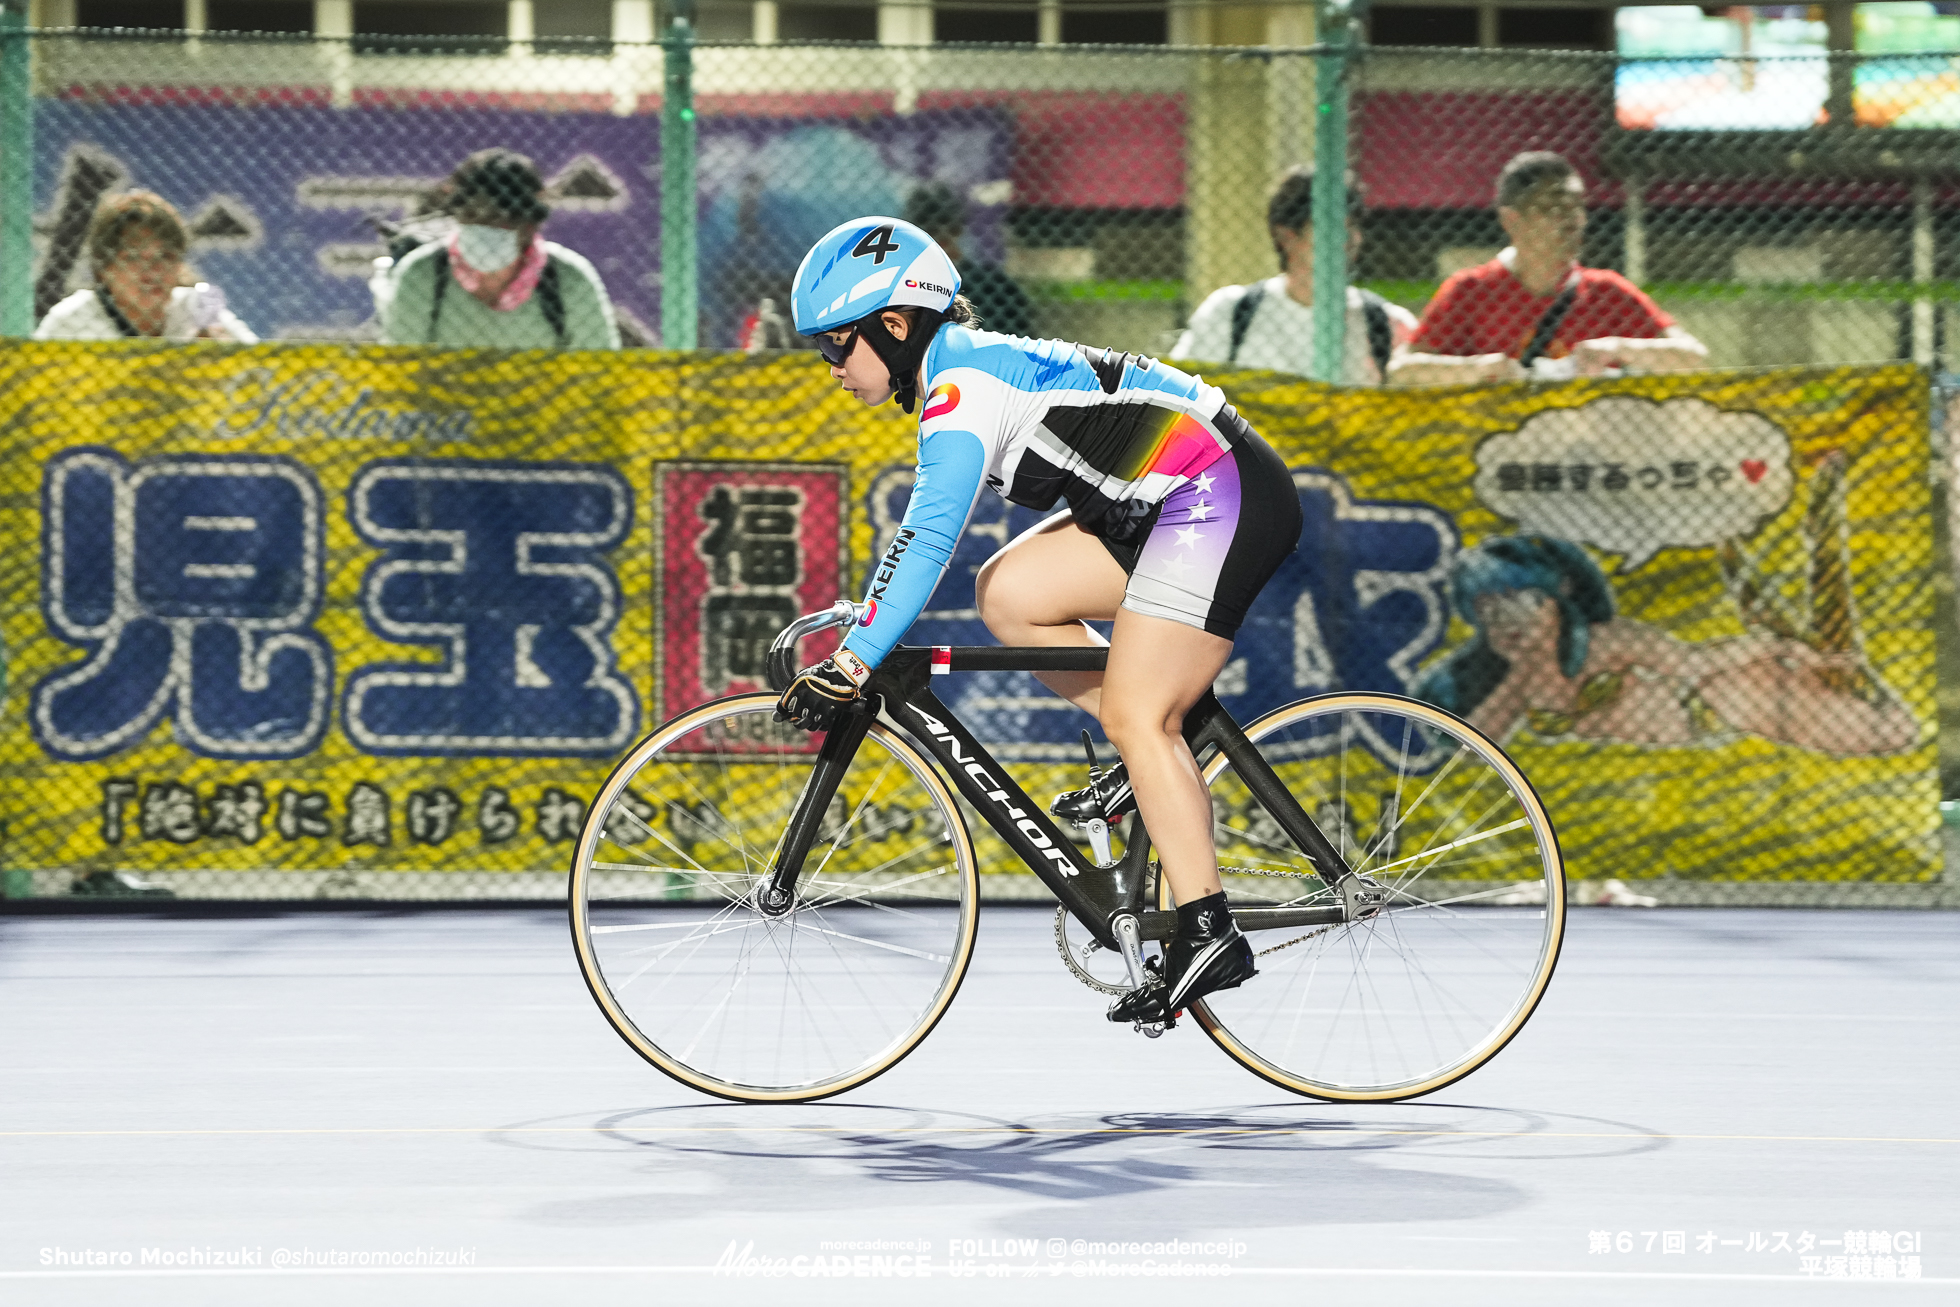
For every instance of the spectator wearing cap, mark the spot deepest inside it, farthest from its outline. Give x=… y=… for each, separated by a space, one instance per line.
x=1534 y=305
x=512 y=288
x=1269 y=324
x=143 y=285
x=997 y=298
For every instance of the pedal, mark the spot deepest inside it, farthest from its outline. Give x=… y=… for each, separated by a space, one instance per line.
x=1083 y=810
x=1098 y=831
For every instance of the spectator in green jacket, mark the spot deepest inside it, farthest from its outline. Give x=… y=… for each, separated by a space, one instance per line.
x=495 y=281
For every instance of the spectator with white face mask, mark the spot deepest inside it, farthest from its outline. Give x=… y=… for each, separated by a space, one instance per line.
x=511 y=288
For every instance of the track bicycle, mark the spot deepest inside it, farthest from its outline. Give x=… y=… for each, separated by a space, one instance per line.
x=771 y=916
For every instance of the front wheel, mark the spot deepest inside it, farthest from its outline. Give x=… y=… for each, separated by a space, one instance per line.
x=1429 y=989
x=757 y=1007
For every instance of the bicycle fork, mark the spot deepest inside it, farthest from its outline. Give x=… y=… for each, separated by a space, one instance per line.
x=777 y=894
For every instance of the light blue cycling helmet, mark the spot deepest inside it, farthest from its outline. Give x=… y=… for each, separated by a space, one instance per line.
x=868 y=265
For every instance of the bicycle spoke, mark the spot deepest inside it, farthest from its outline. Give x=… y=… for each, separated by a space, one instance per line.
x=1457 y=844
x=801 y=1004
x=859 y=939
x=1429 y=986
x=886 y=888
x=660 y=953
x=645 y=925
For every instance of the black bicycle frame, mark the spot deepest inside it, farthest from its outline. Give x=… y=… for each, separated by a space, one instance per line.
x=1095 y=896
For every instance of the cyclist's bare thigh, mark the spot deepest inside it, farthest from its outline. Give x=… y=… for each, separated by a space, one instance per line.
x=1050 y=574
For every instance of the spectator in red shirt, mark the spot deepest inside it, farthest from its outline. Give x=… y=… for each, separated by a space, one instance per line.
x=1533 y=309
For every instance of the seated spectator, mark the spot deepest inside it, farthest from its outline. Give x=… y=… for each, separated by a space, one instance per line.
x=512 y=288
x=1269 y=324
x=1533 y=308
x=143 y=286
x=998 y=299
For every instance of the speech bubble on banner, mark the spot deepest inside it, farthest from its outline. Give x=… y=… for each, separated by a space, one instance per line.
x=1633 y=477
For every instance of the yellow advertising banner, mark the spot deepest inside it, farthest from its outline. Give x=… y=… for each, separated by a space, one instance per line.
x=1696 y=609
x=361 y=609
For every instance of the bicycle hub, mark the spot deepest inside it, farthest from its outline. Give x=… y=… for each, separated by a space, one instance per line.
x=773 y=900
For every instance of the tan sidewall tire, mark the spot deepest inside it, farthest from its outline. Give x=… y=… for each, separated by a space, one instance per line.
x=922 y=769
x=1541 y=823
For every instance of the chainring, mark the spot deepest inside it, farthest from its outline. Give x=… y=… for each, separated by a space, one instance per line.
x=1074 y=967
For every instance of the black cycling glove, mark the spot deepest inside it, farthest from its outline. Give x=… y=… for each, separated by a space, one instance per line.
x=820 y=694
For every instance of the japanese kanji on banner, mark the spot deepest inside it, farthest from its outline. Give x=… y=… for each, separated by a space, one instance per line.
x=310 y=608
x=316 y=608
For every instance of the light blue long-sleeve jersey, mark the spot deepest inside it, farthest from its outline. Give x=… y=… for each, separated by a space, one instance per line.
x=1040 y=421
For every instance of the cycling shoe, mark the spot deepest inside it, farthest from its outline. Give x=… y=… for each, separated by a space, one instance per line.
x=1204 y=966
x=1143 y=1005
x=1208 y=953
x=1106 y=798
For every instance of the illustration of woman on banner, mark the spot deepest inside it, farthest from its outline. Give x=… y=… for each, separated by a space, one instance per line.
x=1552 y=656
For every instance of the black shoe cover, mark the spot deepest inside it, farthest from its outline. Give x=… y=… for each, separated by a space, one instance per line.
x=1204 y=966
x=1108 y=798
x=1145 y=1003
x=1208 y=953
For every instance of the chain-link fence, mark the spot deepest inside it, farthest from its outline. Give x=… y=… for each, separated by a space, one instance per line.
x=1736 y=572
x=1093 y=193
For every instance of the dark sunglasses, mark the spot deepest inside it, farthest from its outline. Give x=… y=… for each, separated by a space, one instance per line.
x=834 y=353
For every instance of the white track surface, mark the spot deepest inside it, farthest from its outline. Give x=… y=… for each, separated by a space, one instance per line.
x=360 y=1084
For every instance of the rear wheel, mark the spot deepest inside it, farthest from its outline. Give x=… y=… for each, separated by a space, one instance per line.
x=760 y=1008
x=1429 y=989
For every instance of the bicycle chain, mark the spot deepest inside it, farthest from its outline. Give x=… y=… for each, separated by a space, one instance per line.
x=1312 y=934
x=1103 y=987
x=1287 y=875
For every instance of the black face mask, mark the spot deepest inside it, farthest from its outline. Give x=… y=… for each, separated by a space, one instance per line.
x=901 y=356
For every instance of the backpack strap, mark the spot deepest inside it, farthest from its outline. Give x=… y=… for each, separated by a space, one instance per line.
x=441 y=288
x=114 y=310
x=1541 y=339
x=551 y=298
x=1381 y=339
x=551 y=294
x=1242 y=315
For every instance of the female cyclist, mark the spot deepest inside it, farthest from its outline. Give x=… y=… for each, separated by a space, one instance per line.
x=1177 y=513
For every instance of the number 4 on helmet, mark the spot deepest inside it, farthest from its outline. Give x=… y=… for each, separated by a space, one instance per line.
x=867 y=266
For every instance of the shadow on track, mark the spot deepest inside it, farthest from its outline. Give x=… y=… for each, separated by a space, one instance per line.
x=1260 y=1164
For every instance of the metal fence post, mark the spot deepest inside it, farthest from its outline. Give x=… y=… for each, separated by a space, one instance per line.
x=679 y=272
x=16 y=233
x=16 y=173
x=1330 y=270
